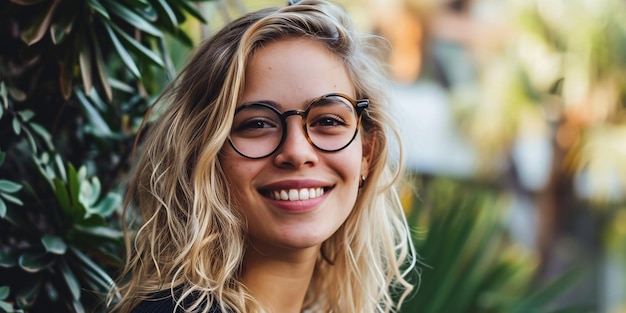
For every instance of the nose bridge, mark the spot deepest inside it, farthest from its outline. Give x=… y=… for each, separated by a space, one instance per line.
x=296 y=150
x=288 y=114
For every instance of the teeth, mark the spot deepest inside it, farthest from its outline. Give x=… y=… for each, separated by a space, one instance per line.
x=296 y=194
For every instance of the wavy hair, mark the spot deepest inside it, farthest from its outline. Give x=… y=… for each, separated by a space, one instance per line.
x=191 y=241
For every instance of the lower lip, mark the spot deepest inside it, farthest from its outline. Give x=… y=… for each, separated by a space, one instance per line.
x=300 y=206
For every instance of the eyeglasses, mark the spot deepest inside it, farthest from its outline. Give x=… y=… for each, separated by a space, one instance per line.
x=330 y=124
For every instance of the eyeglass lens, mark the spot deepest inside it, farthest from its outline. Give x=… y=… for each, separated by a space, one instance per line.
x=330 y=124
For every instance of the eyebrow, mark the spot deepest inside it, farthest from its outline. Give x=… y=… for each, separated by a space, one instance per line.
x=271 y=103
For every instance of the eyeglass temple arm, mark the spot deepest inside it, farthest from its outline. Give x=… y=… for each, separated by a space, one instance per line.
x=362 y=105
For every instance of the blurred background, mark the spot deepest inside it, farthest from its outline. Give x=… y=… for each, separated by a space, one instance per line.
x=512 y=113
x=516 y=107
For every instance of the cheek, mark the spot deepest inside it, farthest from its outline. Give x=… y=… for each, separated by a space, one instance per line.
x=231 y=162
x=349 y=165
x=234 y=172
x=238 y=185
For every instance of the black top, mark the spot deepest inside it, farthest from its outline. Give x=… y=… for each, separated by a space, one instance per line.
x=164 y=303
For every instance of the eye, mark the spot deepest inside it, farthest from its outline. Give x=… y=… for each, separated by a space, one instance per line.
x=327 y=121
x=257 y=123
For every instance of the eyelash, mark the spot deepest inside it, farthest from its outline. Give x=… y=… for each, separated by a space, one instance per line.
x=252 y=124
x=335 y=120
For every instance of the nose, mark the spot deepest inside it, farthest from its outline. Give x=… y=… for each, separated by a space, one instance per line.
x=296 y=150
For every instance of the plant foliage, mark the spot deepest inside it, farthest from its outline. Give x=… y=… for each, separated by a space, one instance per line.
x=76 y=78
x=470 y=264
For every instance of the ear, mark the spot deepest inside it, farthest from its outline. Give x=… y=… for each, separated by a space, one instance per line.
x=369 y=142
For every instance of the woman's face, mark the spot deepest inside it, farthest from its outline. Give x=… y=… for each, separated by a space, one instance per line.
x=289 y=73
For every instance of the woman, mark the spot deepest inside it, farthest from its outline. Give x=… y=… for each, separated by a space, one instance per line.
x=264 y=186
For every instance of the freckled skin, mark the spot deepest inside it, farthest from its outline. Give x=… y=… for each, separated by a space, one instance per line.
x=290 y=72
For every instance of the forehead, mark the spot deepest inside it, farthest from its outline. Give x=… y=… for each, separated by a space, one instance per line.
x=294 y=71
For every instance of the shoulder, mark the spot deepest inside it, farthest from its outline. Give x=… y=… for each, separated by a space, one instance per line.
x=165 y=304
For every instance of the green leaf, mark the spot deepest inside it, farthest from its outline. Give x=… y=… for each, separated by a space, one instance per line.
x=133 y=19
x=31 y=140
x=3 y=209
x=70 y=279
x=6 y=307
x=9 y=258
x=52 y=292
x=103 y=76
x=141 y=48
x=84 y=60
x=43 y=134
x=171 y=16
x=46 y=169
x=60 y=167
x=9 y=186
x=97 y=101
x=193 y=11
x=95 y=272
x=78 y=306
x=108 y=257
x=77 y=210
x=183 y=37
x=17 y=94
x=89 y=192
x=100 y=127
x=74 y=183
x=16 y=126
x=90 y=219
x=26 y=115
x=63 y=197
x=98 y=7
x=4 y=99
x=121 y=86
x=11 y=198
x=4 y=292
x=99 y=233
x=3 y=157
x=170 y=70
x=54 y=244
x=149 y=13
x=36 y=31
x=81 y=174
x=109 y=204
x=33 y=262
x=121 y=51
x=62 y=26
x=94 y=280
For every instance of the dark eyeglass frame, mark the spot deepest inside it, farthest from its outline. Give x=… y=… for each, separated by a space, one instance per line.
x=359 y=106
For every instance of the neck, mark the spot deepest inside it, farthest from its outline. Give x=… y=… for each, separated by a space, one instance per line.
x=279 y=278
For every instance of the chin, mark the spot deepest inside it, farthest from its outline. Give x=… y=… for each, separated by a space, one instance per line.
x=300 y=241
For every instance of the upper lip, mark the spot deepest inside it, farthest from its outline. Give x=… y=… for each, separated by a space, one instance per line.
x=296 y=184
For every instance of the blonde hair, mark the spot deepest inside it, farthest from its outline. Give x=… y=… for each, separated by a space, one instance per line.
x=192 y=241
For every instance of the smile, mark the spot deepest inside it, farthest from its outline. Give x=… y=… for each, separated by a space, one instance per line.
x=296 y=194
